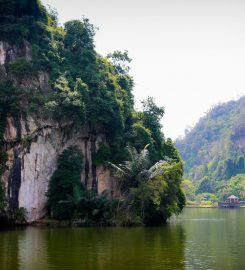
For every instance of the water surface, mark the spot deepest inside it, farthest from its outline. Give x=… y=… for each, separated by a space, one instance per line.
x=198 y=239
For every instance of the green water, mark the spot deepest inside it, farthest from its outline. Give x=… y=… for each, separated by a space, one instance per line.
x=198 y=239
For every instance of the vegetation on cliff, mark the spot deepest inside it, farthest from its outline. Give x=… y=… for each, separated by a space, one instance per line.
x=146 y=194
x=2 y=198
x=87 y=89
x=213 y=152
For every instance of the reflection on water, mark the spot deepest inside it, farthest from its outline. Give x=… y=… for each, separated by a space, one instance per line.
x=198 y=239
x=32 y=250
x=215 y=238
x=93 y=248
x=117 y=248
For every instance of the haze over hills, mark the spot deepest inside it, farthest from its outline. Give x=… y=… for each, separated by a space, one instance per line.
x=214 y=149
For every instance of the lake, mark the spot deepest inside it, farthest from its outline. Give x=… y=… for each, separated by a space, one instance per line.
x=197 y=239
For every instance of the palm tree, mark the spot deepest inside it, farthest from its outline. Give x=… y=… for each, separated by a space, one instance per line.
x=131 y=172
x=134 y=174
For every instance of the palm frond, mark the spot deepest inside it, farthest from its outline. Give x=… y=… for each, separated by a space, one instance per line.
x=116 y=168
x=156 y=169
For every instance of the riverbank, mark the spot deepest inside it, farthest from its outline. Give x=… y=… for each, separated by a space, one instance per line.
x=201 y=206
x=81 y=223
x=207 y=206
x=52 y=223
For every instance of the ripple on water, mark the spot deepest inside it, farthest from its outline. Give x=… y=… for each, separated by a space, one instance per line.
x=198 y=239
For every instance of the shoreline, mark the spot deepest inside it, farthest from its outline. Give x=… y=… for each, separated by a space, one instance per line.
x=52 y=223
x=212 y=206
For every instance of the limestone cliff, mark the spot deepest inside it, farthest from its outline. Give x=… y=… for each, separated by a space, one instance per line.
x=33 y=144
x=9 y=52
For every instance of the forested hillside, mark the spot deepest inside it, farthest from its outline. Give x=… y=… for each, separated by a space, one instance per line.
x=53 y=86
x=213 y=151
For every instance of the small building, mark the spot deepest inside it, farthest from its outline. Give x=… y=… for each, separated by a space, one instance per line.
x=233 y=199
x=231 y=202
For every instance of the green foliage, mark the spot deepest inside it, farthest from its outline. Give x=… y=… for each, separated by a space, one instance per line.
x=93 y=208
x=9 y=101
x=146 y=129
x=68 y=198
x=153 y=192
x=80 y=59
x=65 y=179
x=89 y=89
x=170 y=150
x=102 y=155
x=21 y=8
x=190 y=190
x=204 y=185
x=152 y=114
x=208 y=197
x=234 y=186
x=151 y=117
x=173 y=199
x=21 y=19
x=79 y=35
x=161 y=196
x=213 y=151
x=3 y=201
x=65 y=101
x=22 y=68
x=96 y=92
x=132 y=171
x=19 y=215
x=86 y=87
x=120 y=61
x=140 y=136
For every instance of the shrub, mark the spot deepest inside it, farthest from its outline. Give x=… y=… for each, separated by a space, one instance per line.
x=22 y=68
x=3 y=201
x=103 y=154
x=19 y=215
x=63 y=182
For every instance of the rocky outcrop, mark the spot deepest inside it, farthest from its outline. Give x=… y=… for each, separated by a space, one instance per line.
x=33 y=147
x=9 y=53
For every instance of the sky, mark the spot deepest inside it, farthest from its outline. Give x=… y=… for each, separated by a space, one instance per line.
x=188 y=54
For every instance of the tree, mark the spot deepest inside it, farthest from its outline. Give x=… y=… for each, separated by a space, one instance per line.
x=234 y=186
x=132 y=171
x=189 y=189
x=204 y=185
x=151 y=117
x=79 y=35
x=64 y=182
x=120 y=61
x=139 y=136
x=241 y=164
x=65 y=101
x=80 y=58
x=169 y=150
x=154 y=192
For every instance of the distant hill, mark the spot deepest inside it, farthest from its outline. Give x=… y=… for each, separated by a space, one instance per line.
x=213 y=151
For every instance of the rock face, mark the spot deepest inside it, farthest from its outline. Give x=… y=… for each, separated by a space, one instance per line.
x=33 y=147
x=9 y=53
